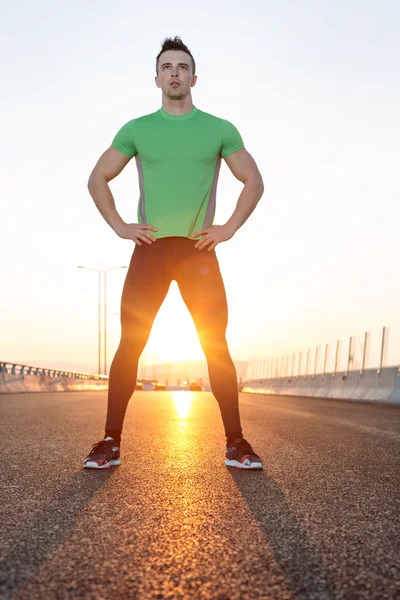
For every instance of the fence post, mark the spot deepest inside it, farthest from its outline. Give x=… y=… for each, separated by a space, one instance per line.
x=299 y=365
x=336 y=358
x=350 y=357
x=316 y=360
x=308 y=360
x=385 y=339
x=366 y=351
x=325 y=359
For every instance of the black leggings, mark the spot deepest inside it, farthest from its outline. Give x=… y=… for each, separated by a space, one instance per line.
x=151 y=270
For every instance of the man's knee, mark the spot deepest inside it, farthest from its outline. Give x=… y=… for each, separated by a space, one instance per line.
x=132 y=342
x=214 y=343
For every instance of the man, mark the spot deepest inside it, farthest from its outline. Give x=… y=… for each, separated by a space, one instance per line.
x=178 y=152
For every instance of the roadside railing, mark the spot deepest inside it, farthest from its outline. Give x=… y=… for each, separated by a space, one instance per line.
x=21 y=369
x=357 y=353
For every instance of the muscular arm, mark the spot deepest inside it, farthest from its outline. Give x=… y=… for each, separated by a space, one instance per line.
x=244 y=168
x=109 y=165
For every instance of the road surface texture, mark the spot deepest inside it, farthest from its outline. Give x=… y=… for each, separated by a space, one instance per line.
x=322 y=521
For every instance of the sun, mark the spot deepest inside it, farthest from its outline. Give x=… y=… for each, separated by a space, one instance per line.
x=173 y=336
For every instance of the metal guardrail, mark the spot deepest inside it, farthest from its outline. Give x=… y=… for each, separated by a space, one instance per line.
x=19 y=369
x=343 y=357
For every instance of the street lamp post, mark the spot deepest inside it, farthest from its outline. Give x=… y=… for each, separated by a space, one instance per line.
x=105 y=313
x=105 y=271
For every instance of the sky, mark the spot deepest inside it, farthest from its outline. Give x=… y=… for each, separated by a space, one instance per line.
x=313 y=88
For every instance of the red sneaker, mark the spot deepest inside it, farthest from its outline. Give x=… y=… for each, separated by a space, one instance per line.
x=103 y=455
x=241 y=455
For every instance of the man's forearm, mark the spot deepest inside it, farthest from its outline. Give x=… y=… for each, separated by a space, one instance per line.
x=104 y=201
x=248 y=200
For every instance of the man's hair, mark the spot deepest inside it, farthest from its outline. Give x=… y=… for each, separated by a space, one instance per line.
x=175 y=44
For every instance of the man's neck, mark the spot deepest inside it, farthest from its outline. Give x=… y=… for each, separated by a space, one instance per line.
x=177 y=107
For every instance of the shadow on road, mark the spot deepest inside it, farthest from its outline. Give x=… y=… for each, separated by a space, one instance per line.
x=31 y=548
x=299 y=561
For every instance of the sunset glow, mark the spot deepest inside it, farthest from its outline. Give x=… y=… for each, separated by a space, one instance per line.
x=183 y=402
x=174 y=337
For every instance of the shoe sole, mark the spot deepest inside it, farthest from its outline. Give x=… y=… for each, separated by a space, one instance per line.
x=238 y=465
x=93 y=465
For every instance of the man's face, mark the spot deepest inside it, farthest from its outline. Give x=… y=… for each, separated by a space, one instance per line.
x=175 y=74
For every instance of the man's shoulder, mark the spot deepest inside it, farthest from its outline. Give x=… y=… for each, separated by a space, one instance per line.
x=215 y=121
x=130 y=126
x=142 y=119
x=209 y=117
x=148 y=116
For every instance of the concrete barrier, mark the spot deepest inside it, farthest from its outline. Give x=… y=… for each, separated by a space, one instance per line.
x=371 y=384
x=17 y=378
x=14 y=384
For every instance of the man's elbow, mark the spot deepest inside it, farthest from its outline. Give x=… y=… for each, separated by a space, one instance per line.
x=258 y=185
x=94 y=180
x=90 y=183
x=255 y=181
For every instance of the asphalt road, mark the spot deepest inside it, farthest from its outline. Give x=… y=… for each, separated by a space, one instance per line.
x=322 y=521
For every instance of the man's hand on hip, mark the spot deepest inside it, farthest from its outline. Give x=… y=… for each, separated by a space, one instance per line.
x=136 y=232
x=213 y=235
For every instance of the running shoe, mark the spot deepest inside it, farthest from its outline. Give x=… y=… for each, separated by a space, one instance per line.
x=103 y=455
x=241 y=455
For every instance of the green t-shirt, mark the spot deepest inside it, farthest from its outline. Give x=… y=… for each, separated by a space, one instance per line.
x=178 y=160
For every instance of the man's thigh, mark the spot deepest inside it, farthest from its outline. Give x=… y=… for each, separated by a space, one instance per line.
x=146 y=285
x=201 y=285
